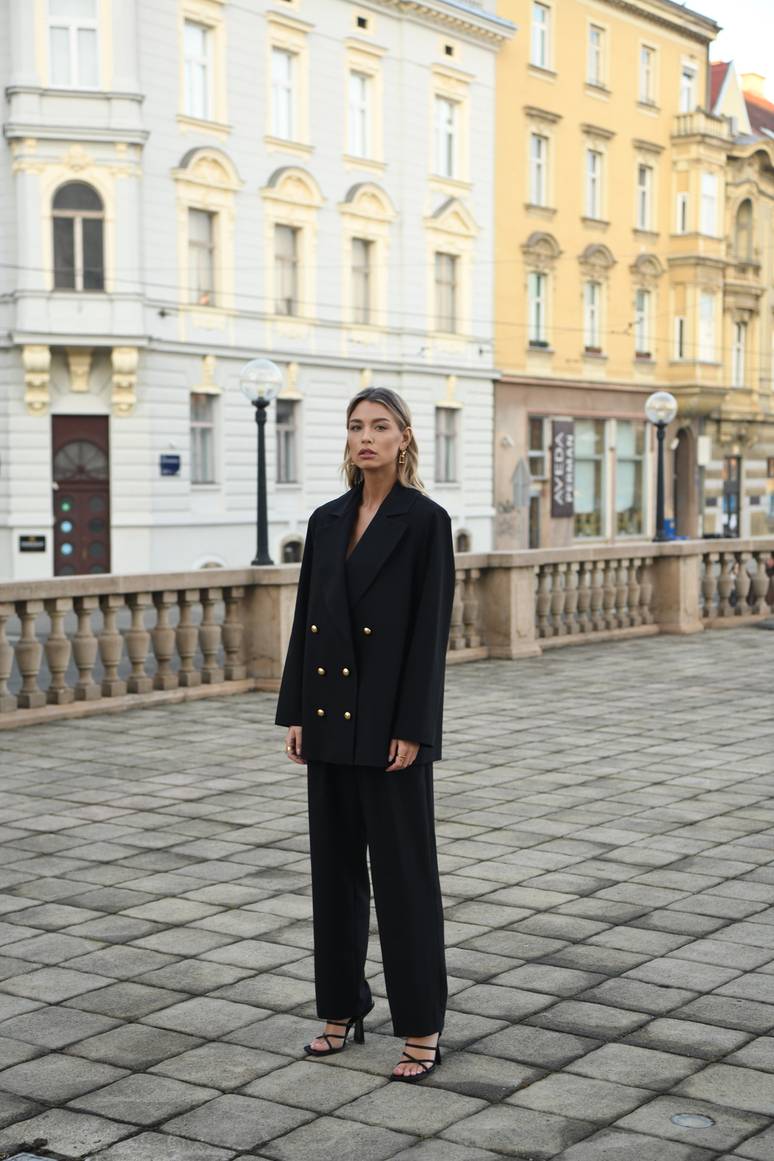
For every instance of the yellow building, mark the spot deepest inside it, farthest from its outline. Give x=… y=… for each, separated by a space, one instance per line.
x=609 y=256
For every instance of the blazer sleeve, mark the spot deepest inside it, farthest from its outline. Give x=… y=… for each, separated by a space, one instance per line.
x=289 y=701
x=420 y=699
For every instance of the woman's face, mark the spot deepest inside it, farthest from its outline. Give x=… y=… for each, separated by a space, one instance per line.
x=374 y=439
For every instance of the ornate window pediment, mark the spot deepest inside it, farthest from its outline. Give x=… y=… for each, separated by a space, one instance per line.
x=596 y=261
x=647 y=269
x=453 y=217
x=367 y=200
x=209 y=167
x=541 y=250
x=291 y=184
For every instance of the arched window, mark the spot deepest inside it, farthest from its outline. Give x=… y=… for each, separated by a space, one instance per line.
x=292 y=551
x=79 y=217
x=743 y=231
x=462 y=542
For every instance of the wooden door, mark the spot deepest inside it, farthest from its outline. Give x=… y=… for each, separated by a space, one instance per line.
x=81 y=482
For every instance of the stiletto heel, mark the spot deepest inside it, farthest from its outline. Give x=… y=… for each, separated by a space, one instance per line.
x=359 y=1031
x=357 y=1021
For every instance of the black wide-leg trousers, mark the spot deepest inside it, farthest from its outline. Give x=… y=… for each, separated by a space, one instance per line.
x=354 y=809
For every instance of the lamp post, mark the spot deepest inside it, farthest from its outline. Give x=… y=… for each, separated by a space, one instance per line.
x=260 y=382
x=660 y=408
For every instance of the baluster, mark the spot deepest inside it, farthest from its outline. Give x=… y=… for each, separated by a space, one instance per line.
x=457 y=631
x=633 y=594
x=760 y=583
x=646 y=591
x=544 y=600
x=584 y=596
x=85 y=649
x=743 y=585
x=709 y=584
x=58 y=650
x=597 y=594
x=725 y=584
x=621 y=593
x=137 y=643
x=187 y=637
x=608 y=595
x=111 y=645
x=470 y=609
x=557 y=600
x=163 y=638
x=209 y=637
x=7 y=700
x=571 y=595
x=233 y=635
x=29 y=653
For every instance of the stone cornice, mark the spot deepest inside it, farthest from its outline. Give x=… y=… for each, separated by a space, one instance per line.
x=671 y=15
x=457 y=16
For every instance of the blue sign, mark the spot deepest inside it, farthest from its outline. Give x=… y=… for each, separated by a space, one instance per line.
x=169 y=464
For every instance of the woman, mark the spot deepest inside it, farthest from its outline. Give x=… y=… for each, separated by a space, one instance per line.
x=362 y=697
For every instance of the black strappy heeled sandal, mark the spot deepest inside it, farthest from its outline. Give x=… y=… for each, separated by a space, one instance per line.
x=357 y=1021
x=427 y=1066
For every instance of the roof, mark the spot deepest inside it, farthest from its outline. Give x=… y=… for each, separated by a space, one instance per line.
x=718 y=72
x=761 y=113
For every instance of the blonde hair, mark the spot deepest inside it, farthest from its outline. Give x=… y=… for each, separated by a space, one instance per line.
x=408 y=473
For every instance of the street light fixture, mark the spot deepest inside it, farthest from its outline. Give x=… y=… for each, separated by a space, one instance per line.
x=260 y=382
x=660 y=409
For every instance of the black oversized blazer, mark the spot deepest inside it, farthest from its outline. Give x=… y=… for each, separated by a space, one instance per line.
x=366 y=660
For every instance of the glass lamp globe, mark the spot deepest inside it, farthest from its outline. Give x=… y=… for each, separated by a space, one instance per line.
x=260 y=379
x=661 y=407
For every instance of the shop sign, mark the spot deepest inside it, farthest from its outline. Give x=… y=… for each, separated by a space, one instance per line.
x=30 y=543
x=563 y=467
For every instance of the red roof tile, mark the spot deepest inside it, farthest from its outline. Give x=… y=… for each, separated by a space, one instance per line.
x=760 y=111
x=718 y=70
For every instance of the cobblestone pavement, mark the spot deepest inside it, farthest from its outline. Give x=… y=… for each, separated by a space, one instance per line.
x=606 y=836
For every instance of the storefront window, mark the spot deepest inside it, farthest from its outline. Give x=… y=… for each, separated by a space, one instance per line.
x=589 y=477
x=630 y=445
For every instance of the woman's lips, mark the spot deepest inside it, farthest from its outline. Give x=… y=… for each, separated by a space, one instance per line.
x=367 y=454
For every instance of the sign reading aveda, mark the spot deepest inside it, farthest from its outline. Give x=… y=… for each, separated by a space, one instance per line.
x=563 y=467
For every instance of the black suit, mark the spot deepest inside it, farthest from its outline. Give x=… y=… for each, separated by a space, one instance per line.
x=365 y=664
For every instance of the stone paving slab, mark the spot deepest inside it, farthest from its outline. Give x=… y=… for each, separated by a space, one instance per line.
x=607 y=857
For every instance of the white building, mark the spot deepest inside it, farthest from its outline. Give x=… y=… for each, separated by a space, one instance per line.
x=187 y=184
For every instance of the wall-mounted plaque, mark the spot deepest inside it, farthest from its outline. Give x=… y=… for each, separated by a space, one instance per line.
x=563 y=467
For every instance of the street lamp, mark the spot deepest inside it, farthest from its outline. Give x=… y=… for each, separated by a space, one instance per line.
x=660 y=408
x=260 y=382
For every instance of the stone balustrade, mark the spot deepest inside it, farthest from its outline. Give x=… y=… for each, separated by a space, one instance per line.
x=76 y=645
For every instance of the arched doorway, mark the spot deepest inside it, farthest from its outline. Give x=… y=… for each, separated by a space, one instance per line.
x=81 y=483
x=686 y=485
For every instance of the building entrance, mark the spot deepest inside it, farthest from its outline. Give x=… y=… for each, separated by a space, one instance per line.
x=81 y=484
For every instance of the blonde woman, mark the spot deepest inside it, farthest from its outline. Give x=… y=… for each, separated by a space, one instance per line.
x=362 y=697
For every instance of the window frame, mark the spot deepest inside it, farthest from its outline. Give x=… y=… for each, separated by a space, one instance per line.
x=285 y=87
x=359 y=115
x=646 y=74
x=540 y=35
x=72 y=26
x=596 y=55
x=538 y=169
x=643 y=321
x=541 y=453
x=446 y=136
x=707 y=345
x=687 y=93
x=739 y=354
x=362 y=274
x=592 y=316
x=682 y=204
x=638 y=459
x=679 y=337
x=644 y=213
x=196 y=441
x=447 y=434
x=537 y=309
x=451 y=287
x=210 y=248
x=596 y=457
x=208 y=64
x=286 y=442
x=287 y=269
x=77 y=217
x=593 y=183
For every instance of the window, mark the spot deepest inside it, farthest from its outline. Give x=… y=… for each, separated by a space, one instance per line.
x=681 y=214
x=707 y=327
x=589 y=477
x=592 y=295
x=541 y=36
x=647 y=75
x=595 y=56
x=201 y=257
x=679 y=350
x=286 y=270
x=687 y=88
x=536 y=308
x=282 y=111
x=446 y=445
x=362 y=250
x=629 y=446
x=642 y=324
x=445 y=137
x=536 y=452
x=202 y=438
x=72 y=33
x=738 y=368
x=197 y=49
x=359 y=144
x=743 y=232
x=538 y=169
x=644 y=197
x=593 y=183
x=286 y=441
x=78 y=218
x=709 y=203
x=446 y=292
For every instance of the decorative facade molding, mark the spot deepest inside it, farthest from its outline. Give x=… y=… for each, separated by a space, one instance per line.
x=463 y=18
x=124 y=379
x=79 y=365
x=36 y=360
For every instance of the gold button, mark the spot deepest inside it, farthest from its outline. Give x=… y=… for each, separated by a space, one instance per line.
x=314 y=628
x=367 y=631
x=345 y=672
x=321 y=713
x=347 y=715
x=321 y=671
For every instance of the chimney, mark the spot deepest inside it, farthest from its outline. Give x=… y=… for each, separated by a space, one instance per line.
x=753 y=83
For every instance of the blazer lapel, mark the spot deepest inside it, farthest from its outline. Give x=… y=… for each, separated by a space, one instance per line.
x=333 y=538
x=379 y=541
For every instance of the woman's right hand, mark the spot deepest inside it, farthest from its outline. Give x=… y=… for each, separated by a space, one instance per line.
x=293 y=745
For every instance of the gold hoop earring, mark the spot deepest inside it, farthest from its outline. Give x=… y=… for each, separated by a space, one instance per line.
x=402 y=457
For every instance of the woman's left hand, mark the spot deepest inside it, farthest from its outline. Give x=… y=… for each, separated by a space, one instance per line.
x=401 y=754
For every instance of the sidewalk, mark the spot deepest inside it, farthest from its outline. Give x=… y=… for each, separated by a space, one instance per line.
x=606 y=837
